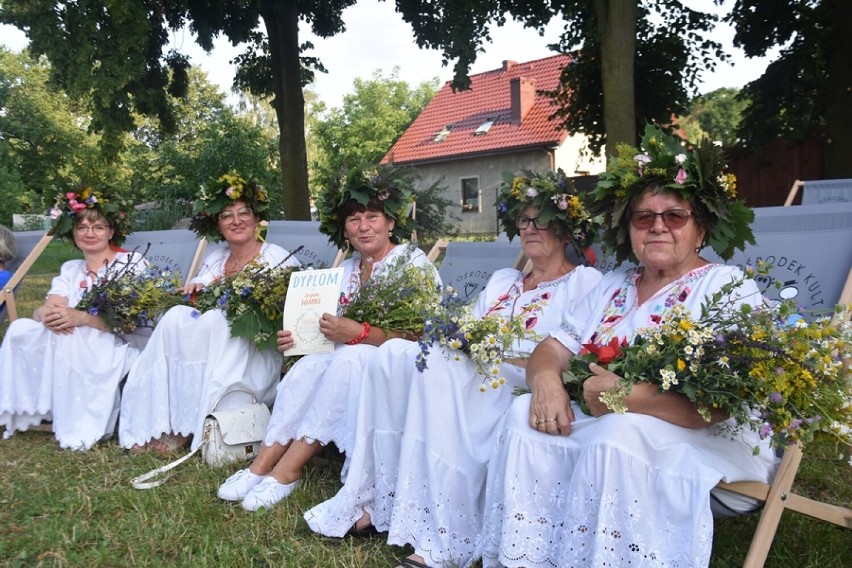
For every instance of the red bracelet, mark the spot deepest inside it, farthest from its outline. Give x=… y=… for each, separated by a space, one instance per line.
x=365 y=331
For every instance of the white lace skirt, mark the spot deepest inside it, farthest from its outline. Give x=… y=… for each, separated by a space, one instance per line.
x=189 y=364
x=72 y=380
x=318 y=398
x=620 y=490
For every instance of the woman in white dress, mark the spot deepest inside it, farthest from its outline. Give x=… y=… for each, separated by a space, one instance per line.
x=423 y=439
x=191 y=361
x=568 y=489
x=318 y=396
x=64 y=365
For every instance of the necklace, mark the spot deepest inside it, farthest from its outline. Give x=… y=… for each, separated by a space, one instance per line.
x=236 y=263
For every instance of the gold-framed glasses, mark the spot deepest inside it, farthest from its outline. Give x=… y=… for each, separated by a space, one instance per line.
x=244 y=214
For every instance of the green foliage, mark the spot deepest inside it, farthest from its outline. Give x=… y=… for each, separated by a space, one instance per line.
x=806 y=87
x=44 y=146
x=667 y=67
x=717 y=115
x=362 y=131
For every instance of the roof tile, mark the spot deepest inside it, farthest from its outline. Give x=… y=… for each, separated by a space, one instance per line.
x=488 y=97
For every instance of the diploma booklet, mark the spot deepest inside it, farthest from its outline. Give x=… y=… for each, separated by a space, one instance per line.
x=311 y=293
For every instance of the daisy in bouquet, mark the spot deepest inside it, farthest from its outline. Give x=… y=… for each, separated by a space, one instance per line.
x=128 y=299
x=488 y=341
x=770 y=369
x=396 y=298
x=252 y=299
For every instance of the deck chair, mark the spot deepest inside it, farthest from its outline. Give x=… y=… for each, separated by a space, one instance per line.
x=798 y=240
x=467 y=266
x=30 y=245
x=821 y=191
x=316 y=249
x=177 y=248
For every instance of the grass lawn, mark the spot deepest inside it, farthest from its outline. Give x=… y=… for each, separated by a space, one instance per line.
x=63 y=508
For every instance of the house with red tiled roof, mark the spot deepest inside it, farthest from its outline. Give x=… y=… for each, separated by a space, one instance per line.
x=467 y=139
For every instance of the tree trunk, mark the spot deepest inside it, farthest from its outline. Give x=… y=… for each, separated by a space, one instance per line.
x=617 y=29
x=282 y=30
x=838 y=87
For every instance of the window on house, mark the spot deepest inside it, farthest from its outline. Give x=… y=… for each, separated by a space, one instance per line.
x=470 y=195
x=485 y=126
x=442 y=135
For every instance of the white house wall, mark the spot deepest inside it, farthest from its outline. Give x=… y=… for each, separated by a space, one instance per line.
x=489 y=170
x=574 y=157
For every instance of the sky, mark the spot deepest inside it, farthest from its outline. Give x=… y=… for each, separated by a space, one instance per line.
x=377 y=39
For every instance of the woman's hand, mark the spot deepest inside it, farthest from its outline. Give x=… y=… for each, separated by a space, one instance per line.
x=285 y=340
x=338 y=329
x=192 y=288
x=550 y=407
x=600 y=382
x=63 y=320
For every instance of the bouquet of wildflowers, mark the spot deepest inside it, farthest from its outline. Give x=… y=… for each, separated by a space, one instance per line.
x=127 y=298
x=768 y=368
x=395 y=297
x=487 y=341
x=252 y=299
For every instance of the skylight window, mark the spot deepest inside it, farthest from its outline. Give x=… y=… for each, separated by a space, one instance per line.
x=442 y=135
x=484 y=127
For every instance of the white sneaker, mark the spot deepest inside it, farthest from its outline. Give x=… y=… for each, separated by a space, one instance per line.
x=238 y=485
x=267 y=493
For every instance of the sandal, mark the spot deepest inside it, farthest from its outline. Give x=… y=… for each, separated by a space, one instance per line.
x=409 y=562
x=366 y=532
x=168 y=444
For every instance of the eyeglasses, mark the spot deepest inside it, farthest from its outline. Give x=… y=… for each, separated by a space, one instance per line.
x=244 y=214
x=96 y=229
x=672 y=218
x=524 y=222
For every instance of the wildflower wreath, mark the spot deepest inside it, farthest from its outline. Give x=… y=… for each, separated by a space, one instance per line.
x=696 y=174
x=768 y=368
x=227 y=190
x=115 y=209
x=556 y=199
x=389 y=185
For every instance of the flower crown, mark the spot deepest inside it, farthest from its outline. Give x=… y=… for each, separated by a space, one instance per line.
x=114 y=208
x=227 y=190
x=389 y=185
x=556 y=199
x=695 y=174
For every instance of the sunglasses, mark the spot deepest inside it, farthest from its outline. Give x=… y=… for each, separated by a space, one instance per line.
x=672 y=218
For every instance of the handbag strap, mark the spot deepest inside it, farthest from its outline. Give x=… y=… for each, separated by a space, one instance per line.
x=141 y=481
x=226 y=393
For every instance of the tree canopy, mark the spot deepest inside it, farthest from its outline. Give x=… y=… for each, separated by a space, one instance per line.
x=807 y=86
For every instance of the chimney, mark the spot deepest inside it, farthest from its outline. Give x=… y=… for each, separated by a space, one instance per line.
x=522 y=97
x=508 y=64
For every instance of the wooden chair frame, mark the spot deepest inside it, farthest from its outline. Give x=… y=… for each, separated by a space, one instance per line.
x=8 y=297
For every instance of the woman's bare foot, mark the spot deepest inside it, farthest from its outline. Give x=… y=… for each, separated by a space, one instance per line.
x=168 y=443
x=364 y=522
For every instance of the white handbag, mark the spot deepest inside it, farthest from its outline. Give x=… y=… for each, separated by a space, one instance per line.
x=234 y=435
x=227 y=436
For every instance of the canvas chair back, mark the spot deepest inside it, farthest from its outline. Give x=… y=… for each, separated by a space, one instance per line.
x=316 y=249
x=467 y=266
x=174 y=248
x=810 y=248
x=821 y=191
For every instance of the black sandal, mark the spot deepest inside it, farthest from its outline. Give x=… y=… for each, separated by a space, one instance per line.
x=409 y=562
x=366 y=532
